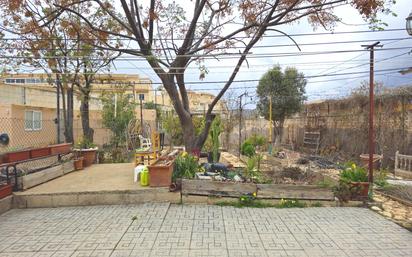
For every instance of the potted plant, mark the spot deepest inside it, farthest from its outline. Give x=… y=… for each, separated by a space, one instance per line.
x=357 y=178
x=78 y=163
x=215 y=131
x=87 y=150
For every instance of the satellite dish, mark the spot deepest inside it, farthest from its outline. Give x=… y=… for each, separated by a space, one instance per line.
x=4 y=139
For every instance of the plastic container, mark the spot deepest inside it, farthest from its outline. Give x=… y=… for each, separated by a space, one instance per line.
x=144 y=177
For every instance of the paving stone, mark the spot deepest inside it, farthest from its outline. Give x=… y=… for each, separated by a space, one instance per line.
x=199 y=230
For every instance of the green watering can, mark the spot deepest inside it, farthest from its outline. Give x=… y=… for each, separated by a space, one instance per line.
x=144 y=177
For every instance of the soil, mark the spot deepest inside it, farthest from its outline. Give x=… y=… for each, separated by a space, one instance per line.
x=295 y=175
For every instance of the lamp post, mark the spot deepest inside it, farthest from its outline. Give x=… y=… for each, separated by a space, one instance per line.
x=409 y=24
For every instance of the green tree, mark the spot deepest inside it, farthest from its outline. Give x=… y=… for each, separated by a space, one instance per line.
x=287 y=91
x=118 y=111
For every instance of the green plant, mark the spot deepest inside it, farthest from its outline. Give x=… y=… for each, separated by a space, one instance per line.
x=215 y=133
x=344 y=191
x=380 y=177
x=316 y=204
x=257 y=140
x=84 y=143
x=186 y=166
x=118 y=111
x=292 y=203
x=248 y=149
x=325 y=183
x=353 y=173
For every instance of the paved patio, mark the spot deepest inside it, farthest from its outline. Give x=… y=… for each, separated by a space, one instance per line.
x=199 y=230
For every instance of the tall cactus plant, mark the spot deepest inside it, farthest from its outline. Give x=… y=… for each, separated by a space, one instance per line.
x=215 y=133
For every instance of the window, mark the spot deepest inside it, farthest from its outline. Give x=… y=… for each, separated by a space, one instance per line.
x=10 y=81
x=32 y=120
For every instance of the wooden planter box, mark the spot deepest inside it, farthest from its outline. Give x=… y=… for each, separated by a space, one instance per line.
x=60 y=148
x=39 y=152
x=17 y=156
x=160 y=173
x=5 y=190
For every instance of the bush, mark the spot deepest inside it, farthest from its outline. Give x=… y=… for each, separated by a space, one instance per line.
x=257 y=140
x=248 y=149
x=186 y=166
x=353 y=173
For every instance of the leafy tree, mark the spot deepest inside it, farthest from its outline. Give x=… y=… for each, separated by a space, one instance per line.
x=287 y=91
x=118 y=111
x=170 y=37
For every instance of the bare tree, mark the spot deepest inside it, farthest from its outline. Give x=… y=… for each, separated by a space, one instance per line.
x=62 y=48
x=170 y=37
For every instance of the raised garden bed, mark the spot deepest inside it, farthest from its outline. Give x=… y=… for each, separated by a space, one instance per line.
x=5 y=190
x=40 y=152
x=17 y=156
x=60 y=148
x=263 y=191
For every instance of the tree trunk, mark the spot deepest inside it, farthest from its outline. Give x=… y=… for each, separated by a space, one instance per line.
x=68 y=131
x=88 y=132
x=278 y=126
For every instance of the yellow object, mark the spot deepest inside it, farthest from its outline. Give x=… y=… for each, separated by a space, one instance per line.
x=144 y=177
x=148 y=156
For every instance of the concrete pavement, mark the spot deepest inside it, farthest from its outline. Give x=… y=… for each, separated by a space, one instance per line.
x=162 y=229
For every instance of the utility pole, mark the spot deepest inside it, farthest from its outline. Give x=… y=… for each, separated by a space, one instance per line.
x=240 y=121
x=371 y=49
x=58 y=111
x=141 y=98
x=270 y=124
x=155 y=103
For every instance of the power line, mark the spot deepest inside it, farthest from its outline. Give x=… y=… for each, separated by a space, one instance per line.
x=250 y=80
x=236 y=47
x=235 y=37
x=209 y=56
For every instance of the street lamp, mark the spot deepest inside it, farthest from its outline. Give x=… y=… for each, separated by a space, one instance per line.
x=409 y=24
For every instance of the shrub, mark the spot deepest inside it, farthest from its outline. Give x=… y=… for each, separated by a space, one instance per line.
x=353 y=173
x=257 y=140
x=380 y=177
x=248 y=149
x=186 y=166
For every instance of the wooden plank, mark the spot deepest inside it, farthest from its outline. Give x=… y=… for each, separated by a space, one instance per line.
x=304 y=192
x=40 y=177
x=216 y=188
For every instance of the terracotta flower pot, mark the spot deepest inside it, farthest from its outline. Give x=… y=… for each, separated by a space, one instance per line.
x=5 y=190
x=40 y=152
x=363 y=188
x=89 y=156
x=365 y=160
x=78 y=163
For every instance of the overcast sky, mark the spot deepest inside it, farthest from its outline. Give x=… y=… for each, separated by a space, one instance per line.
x=315 y=65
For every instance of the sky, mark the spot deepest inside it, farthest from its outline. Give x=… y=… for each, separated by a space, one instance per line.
x=329 y=75
x=353 y=66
